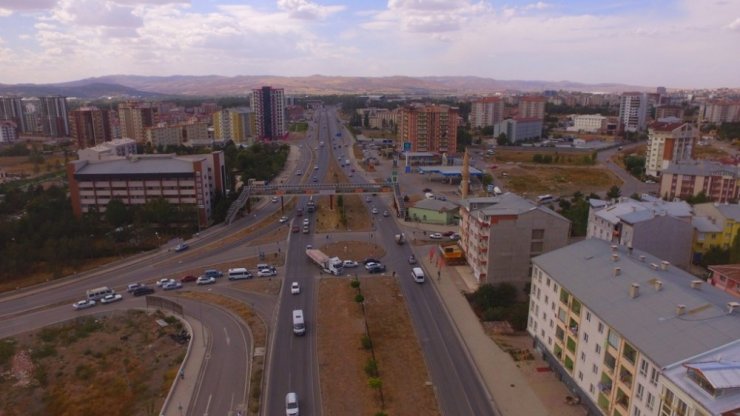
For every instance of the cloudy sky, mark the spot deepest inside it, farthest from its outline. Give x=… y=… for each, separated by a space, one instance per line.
x=676 y=43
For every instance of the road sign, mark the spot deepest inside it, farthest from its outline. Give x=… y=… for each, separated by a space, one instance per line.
x=406 y=146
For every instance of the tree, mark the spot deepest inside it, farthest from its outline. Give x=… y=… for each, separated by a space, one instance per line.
x=734 y=253
x=715 y=255
x=699 y=198
x=116 y=213
x=502 y=140
x=464 y=139
x=614 y=192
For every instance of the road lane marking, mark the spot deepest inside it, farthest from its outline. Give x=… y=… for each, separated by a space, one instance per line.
x=226 y=334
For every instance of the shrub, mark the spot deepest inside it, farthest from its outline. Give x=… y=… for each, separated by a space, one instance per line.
x=359 y=298
x=371 y=367
x=366 y=342
x=355 y=284
x=7 y=350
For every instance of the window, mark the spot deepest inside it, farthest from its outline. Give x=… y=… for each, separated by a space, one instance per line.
x=595 y=369
x=538 y=234
x=640 y=391
x=580 y=376
x=585 y=337
x=547 y=282
x=591 y=388
x=598 y=349
x=613 y=338
x=583 y=356
x=650 y=402
x=635 y=411
x=588 y=316
x=601 y=328
x=654 y=377
x=644 y=367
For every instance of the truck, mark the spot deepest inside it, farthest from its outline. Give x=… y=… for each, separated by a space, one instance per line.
x=333 y=265
x=400 y=239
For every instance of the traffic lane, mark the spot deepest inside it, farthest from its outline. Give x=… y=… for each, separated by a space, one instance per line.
x=223 y=379
x=262 y=304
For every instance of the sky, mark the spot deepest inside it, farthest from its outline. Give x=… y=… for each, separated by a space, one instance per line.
x=672 y=43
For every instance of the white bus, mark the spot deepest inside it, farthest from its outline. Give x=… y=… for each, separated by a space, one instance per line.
x=239 y=273
x=99 y=293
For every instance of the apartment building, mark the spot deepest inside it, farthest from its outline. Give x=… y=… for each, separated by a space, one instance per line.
x=669 y=143
x=163 y=136
x=112 y=149
x=428 y=128
x=90 y=126
x=12 y=109
x=135 y=180
x=633 y=111
x=269 y=107
x=486 y=112
x=719 y=111
x=630 y=334
x=724 y=216
x=719 y=182
x=519 y=129
x=195 y=131
x=237 y=124
x=500 y=234
x=53 y=116
x=134 y=118
x=669 y=111
x=532 y=107
x=8 y=131
x=589 y=123
x=661 y=228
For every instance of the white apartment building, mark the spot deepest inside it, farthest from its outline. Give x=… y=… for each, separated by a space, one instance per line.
x=633 y=110
x=719 y=111
x=669 y=143
x=107 y=150
x=7 y=132
x=632 y=335
x=590 y=123
x=487 y=112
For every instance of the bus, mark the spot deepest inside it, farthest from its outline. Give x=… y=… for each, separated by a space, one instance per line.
x=99 y=293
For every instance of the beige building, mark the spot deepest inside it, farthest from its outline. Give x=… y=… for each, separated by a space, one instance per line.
x=590 y=123
x=720 y=111
x=669 y=143
x=487 y=112
x=532 y=107
x=134 y=118
x=719 y=182
x=164 y=136
x=500 y=235
x=195 y=131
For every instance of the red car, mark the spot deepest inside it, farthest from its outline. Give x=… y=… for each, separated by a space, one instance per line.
x=448 y=233
x=295 y=229
x=188 y=278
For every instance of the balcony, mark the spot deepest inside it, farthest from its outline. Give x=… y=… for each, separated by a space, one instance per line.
x=625 y=376
x=623 y=400
x=610 y=362
x=629 y=354
x=571 y=345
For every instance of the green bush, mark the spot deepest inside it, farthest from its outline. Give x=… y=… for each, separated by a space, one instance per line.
x=355 y=284
x=371 y=368
x=7 y=351
x=359 y=298
x=366 y=342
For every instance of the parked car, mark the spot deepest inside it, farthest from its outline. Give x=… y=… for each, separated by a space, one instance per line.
x=295 y=288
x=144 y=290
x=370 y=260
x=435 y=236
x=181 y=247
x=213 y=272
x=83 y=304
x=206 y=280
x=455 y=237
x=162 y=282
x=267 y=272
x=188 y=278
x=283 y=219
x=372 y=264
x=350 y=264
x=412 y=259
x=377 y=268
x=426 y=190
x=448 y=233
x=133 y=286
x=113 y=297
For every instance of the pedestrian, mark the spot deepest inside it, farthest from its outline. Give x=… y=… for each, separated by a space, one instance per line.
x=394 y=273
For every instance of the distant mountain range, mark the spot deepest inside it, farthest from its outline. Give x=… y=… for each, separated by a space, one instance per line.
x=135 y=86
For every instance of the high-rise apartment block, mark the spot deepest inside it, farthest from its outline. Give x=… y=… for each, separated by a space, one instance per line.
x=8 y=131
x=237 y=124
x=532 y=107
x=90 y=126
x=134 y=118
x=630 y=334
x=269 y=107
x=429 y=128
x=669 y=143
x=500 y=234
x=633 y=111
x=487 y=112
x=54 y=116
x=720 y=111
x=11 y=109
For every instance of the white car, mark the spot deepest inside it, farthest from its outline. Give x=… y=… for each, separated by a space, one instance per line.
x=83 y=304
x=283 y=219
x=298 y=173
x=306 y=221
x=291 y=404
x=162 y=282
x=316 y=167
x=375 y=210
x=275 y=200
x=350 y=264
x=206 y=280
x=435 y=236
x=295 y=288
x=172 y=285
x=266 y=272
x=114 y=297
x=371 y=265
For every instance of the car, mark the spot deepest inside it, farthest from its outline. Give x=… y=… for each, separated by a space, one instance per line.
x=213 y=272
x=455 y=237
x=267 y=272
x=378 y=268
x=144 y=290
x=275 y=200
x=113 y=297
x=299 y=212
x=315 y=179
x=350 y=175
x=283 y=219
x=385 y=213
x=435 y=236
x=133 y=286
x=291 y=404
x=181 y=247
x=309 y=246
x=83 y=304
x=172 y=285
x=350 y=264
x=412 y=259
x=188 y=278
x=375 y=211
x=306 y=230
x=162 y=282
x=316 y=167
x=298 y=172
x=206 y=280
x=370 y=260
x=295 y=229
x=295 y=288
x=370 y=265
x=306 y=221
x=426 y=190
x=448 y=233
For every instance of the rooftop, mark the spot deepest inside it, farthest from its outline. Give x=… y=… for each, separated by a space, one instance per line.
x=731 y=271
x=140 y=164
x=633 y=211
x=703 y=168
x=504 y=204
x=436 y=205
x=662 y=126
x=649 y=321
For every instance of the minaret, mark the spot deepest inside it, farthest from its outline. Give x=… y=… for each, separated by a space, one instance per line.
x=465 y=182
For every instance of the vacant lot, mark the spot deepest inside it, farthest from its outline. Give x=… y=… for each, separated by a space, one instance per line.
x=342 y=358
x=562 y=157
x=558 y=180
x=118 y=365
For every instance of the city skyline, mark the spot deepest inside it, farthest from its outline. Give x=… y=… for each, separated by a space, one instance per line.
x=673 y=43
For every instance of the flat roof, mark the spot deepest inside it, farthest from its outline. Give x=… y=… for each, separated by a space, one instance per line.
x=649 y=322
x=137 y=166
x=455 y=170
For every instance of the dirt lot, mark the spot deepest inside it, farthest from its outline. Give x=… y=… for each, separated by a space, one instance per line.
x=560 y=158
x=398 y=355
x=560 y=180
x=358 y=218
x=81 y=368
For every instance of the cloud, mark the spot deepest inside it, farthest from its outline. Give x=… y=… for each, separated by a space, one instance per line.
x=540 y=5
x=426 y=16
x=28 y=5
x=735 y=25
x=100 y=13
x=306 y=10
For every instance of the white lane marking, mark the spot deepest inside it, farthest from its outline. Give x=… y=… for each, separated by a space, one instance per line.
x=226 y=334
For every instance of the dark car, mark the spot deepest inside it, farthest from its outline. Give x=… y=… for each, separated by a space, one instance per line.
x=378 y=268
x=448 y=233
x=188 y=278
x=426 y=190
x=370 y=260
x=144 y=290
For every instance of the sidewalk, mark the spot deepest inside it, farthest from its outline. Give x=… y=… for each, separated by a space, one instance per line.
x=177 y=402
